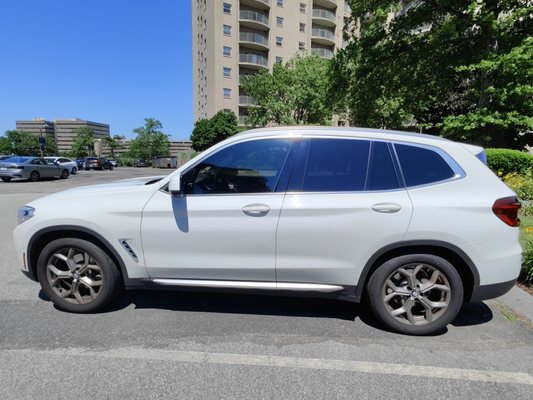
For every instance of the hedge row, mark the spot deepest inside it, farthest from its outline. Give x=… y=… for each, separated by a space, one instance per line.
x=505 y=161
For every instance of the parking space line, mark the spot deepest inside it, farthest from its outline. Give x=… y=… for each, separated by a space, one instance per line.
x=300 y=363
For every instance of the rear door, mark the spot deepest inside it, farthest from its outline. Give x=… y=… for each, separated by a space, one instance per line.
x=345 y=201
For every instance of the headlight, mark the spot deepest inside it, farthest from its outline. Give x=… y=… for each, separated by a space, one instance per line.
x=25 y=213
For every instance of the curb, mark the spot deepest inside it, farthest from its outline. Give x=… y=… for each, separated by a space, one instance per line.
x=519 y=301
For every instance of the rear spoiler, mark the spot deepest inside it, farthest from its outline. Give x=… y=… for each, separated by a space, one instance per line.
x=478 y=151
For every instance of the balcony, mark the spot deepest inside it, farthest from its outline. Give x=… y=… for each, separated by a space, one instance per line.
x=254 y=61
x=323 y=36
x=247 y=101
x=324 y=18
x=254 y=19
x=324 y=53
x=325 y=3
x=259 y=4
x=253 y=40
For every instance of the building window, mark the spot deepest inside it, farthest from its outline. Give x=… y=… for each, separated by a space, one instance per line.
x=227 y=51
x=302 y=27
x=279 y=41
x=280 y=3
x=303 y=7
x=227 y=93
x=227 y=72
x=227 y=8
x=301 y=46
x=279 y=60
x=227 y=30
x=279 y=21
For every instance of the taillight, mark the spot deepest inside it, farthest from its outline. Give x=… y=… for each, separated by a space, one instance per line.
x=507 y=209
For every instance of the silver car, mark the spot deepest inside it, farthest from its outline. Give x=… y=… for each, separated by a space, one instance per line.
x=31 y=168
x=71 y=165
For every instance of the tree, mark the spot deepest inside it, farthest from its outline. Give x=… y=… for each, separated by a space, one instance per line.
x=208 y=132
x=113 y=143
x=441 y=65
x=83 y=145
x=293 y=93
x=25 y=144
x=150 y=141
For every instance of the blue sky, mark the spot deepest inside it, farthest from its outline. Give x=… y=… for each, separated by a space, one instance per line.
x=109 y=61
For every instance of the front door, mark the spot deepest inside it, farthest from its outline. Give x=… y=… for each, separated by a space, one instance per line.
x=224 y=227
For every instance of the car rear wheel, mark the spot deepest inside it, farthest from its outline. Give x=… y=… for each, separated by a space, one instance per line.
x=64 y=174
x=74 y=170
x=6 y=178
x=34 y=176
x=77 y=275
x=416 y=294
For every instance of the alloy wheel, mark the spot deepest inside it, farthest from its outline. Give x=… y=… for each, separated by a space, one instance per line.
x=74 y=275
x=416 y=294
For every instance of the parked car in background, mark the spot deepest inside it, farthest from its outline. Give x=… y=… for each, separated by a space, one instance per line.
x=80 y=162
x=31 y=168
x=140 y=163
x=4 y=157
x=113 y=162
x=65 y=162
x=99 y=163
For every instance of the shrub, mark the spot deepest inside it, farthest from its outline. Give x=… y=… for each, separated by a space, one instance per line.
x=527 y=263
x=522 y=184
x=124 y=161
x=505 y=161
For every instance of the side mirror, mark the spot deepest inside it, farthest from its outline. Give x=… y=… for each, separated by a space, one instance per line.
x=174 y=186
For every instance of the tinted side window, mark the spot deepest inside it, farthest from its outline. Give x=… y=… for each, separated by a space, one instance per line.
x=381 y=172
x=421 y=166
x=249 y=167
x=336 y=165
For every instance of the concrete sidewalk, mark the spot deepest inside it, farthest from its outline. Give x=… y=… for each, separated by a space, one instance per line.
x=519 y=301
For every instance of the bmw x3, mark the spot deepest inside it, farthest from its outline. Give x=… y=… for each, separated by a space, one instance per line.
x=413 y=224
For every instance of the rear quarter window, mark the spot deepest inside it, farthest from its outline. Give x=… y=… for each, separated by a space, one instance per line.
x=422 y=166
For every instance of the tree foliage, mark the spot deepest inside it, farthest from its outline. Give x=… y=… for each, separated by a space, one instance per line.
x=293 y=93
x=208 y=132
x=458 y=68
x=83 y=145
x=150 y=141
x=25 y=144
x=113 y=143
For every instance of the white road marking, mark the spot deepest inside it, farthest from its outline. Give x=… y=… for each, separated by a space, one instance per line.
x=293 y=362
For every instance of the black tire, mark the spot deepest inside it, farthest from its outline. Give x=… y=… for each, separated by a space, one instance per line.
x=6 y=178
x=111 y=168
x=34 y=176
x=74 y=170
x=423 y=309
x=64 y=174
x=98 y=269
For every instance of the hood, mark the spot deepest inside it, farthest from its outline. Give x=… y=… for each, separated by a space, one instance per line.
x=102 y=190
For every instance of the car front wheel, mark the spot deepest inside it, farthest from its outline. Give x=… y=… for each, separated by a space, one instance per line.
x=77 y=275
x=417 y=294
x=64 y=174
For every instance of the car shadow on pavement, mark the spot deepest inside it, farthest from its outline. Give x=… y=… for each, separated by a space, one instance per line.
x=253 y=304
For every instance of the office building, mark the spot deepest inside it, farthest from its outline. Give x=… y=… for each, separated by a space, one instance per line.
x=233 y=38
x=37 y=127
x=66 y=131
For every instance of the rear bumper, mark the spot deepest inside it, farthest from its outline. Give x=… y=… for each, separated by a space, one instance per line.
x=485 y=292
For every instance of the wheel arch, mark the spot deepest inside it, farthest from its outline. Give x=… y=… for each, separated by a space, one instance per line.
x=457 y=257
x=41 y=238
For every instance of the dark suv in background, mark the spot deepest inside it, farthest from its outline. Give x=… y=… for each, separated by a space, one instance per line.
x=98 y=163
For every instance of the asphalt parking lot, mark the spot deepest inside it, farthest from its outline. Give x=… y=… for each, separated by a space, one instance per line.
x=196 y=345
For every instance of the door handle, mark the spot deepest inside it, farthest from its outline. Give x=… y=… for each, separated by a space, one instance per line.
x=387 y=208
x=256 y=210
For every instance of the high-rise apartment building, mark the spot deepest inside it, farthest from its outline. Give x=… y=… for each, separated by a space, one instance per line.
x=233 y=38
x=37 y=127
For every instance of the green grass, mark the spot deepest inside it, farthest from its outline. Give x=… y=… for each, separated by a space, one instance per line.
x=526 y=222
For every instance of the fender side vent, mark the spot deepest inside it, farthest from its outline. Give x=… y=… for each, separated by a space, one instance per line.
x=128 y=248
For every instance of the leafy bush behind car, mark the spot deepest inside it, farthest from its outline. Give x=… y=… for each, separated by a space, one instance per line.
x=124 y=161
x=506 y=161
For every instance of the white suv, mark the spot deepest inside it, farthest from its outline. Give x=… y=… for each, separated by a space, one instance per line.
x=414 y=223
